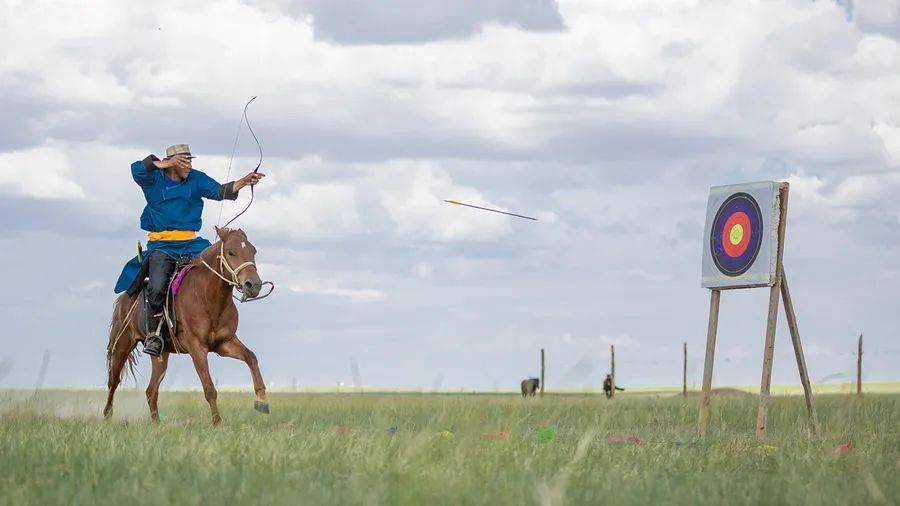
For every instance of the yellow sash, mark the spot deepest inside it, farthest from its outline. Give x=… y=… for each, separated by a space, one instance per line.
x=172 y=235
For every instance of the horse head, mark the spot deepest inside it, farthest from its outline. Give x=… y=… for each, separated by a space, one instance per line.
x=238 y=258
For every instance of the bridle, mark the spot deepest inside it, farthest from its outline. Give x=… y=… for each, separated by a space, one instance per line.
x=225 y=267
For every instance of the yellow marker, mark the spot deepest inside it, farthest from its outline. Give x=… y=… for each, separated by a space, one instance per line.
x=737 y=234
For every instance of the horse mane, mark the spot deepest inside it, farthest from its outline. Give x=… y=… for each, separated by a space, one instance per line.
x=212 y=247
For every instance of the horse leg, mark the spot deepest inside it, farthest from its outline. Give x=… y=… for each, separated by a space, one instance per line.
x=156 y=376
x=234 y=348
x=201 y=364
x=116 y=363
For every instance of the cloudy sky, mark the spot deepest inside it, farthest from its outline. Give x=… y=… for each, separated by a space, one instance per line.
x=607 y=120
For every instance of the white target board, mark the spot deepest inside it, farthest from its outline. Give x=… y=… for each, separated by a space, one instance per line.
x=740 y=240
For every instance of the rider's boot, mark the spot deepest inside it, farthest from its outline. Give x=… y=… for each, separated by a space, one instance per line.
x=153 y=344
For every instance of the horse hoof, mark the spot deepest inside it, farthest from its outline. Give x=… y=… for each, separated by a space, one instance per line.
x=262 y=407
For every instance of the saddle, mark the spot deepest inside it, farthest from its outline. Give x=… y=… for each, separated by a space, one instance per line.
x=139 y=288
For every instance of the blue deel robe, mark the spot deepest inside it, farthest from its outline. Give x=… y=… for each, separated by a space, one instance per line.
x=172 y=206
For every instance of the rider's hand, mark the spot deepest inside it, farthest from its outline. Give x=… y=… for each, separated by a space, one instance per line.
x=179 y=162
x=250 y=179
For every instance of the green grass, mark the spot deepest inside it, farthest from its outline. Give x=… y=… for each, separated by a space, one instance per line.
x=56 y=450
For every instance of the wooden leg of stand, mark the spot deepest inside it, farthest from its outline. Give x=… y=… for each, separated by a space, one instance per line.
x=798 y=351
x=766 y=383
x=711 y=331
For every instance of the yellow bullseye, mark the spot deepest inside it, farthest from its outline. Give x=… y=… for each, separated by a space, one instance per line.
x=736 y=235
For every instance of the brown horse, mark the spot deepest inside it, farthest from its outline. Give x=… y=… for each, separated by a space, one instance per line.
x=207 y=321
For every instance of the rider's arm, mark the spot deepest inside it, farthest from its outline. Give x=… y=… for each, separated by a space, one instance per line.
x=144 y=171
x=211 y=189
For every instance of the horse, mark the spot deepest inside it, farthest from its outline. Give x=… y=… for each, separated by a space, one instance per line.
x=530 y=386
x=207 y=321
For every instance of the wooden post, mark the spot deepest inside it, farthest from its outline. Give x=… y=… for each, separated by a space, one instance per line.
x=42 y=373
x=859 y=352
x=772 y=319
x=542 y=372
x=612 y=365
x=684 y=375
x=798 y=350
x=711 y=331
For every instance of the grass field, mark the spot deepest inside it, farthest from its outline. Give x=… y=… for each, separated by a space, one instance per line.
x=338 y=449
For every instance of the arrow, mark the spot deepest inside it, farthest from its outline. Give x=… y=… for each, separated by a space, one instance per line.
x=491 y=210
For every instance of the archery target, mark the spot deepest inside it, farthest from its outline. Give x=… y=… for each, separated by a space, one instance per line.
x=736 y=234
x=740 y=242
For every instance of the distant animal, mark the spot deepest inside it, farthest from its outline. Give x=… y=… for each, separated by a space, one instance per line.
x=608 y=386
x=530 y=386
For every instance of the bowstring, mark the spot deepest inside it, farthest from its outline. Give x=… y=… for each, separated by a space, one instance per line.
x=244 y=119
x=237 y=135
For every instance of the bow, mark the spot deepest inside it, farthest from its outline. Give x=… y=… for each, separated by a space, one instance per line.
x=244 y=119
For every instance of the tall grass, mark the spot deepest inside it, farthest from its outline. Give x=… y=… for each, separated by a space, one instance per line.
x=337 y=449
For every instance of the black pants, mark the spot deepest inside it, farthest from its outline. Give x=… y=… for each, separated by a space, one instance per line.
x=160 y=270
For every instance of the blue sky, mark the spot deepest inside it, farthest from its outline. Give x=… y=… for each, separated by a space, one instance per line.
x=607 y=120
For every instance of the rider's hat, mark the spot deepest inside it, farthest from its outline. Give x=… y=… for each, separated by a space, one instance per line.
x=179 y=149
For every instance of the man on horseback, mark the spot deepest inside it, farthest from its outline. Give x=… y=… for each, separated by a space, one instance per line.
x=174 y=192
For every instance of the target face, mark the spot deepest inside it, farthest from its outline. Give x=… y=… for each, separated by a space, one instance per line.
x=736 y=234
x=740 y=239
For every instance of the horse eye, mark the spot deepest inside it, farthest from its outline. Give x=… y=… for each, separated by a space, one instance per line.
x=231 y=253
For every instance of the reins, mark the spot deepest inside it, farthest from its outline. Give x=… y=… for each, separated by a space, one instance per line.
x=233 y=282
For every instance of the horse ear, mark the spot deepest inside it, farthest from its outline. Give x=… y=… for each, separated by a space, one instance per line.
x=221 y=232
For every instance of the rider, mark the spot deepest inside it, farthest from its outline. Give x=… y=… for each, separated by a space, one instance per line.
x=174 y=194
x=608 y=386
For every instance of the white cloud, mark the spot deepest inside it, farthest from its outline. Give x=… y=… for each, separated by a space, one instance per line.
x=88 y=287
x=423 y=270
x=413 y=195
x=304 y=279
x=306 y=210
x=843 y=201
x=878 y=14
x=609 y=132
x=890 y=136
x=547 y=216
x=647 y=276
x=353 y=294
x=806 y=187
x=401 y=196
x=42 y=173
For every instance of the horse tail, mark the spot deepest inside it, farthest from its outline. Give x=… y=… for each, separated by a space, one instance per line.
x=117 y=327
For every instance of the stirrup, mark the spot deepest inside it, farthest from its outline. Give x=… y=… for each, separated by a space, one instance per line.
x=153 y=343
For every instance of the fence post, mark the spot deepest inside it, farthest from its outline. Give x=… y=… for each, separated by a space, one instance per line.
x=542 y=372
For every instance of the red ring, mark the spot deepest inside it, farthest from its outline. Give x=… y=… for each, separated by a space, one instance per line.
x=736 y=250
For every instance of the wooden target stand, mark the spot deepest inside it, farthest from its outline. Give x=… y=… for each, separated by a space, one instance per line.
x=779 y=287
